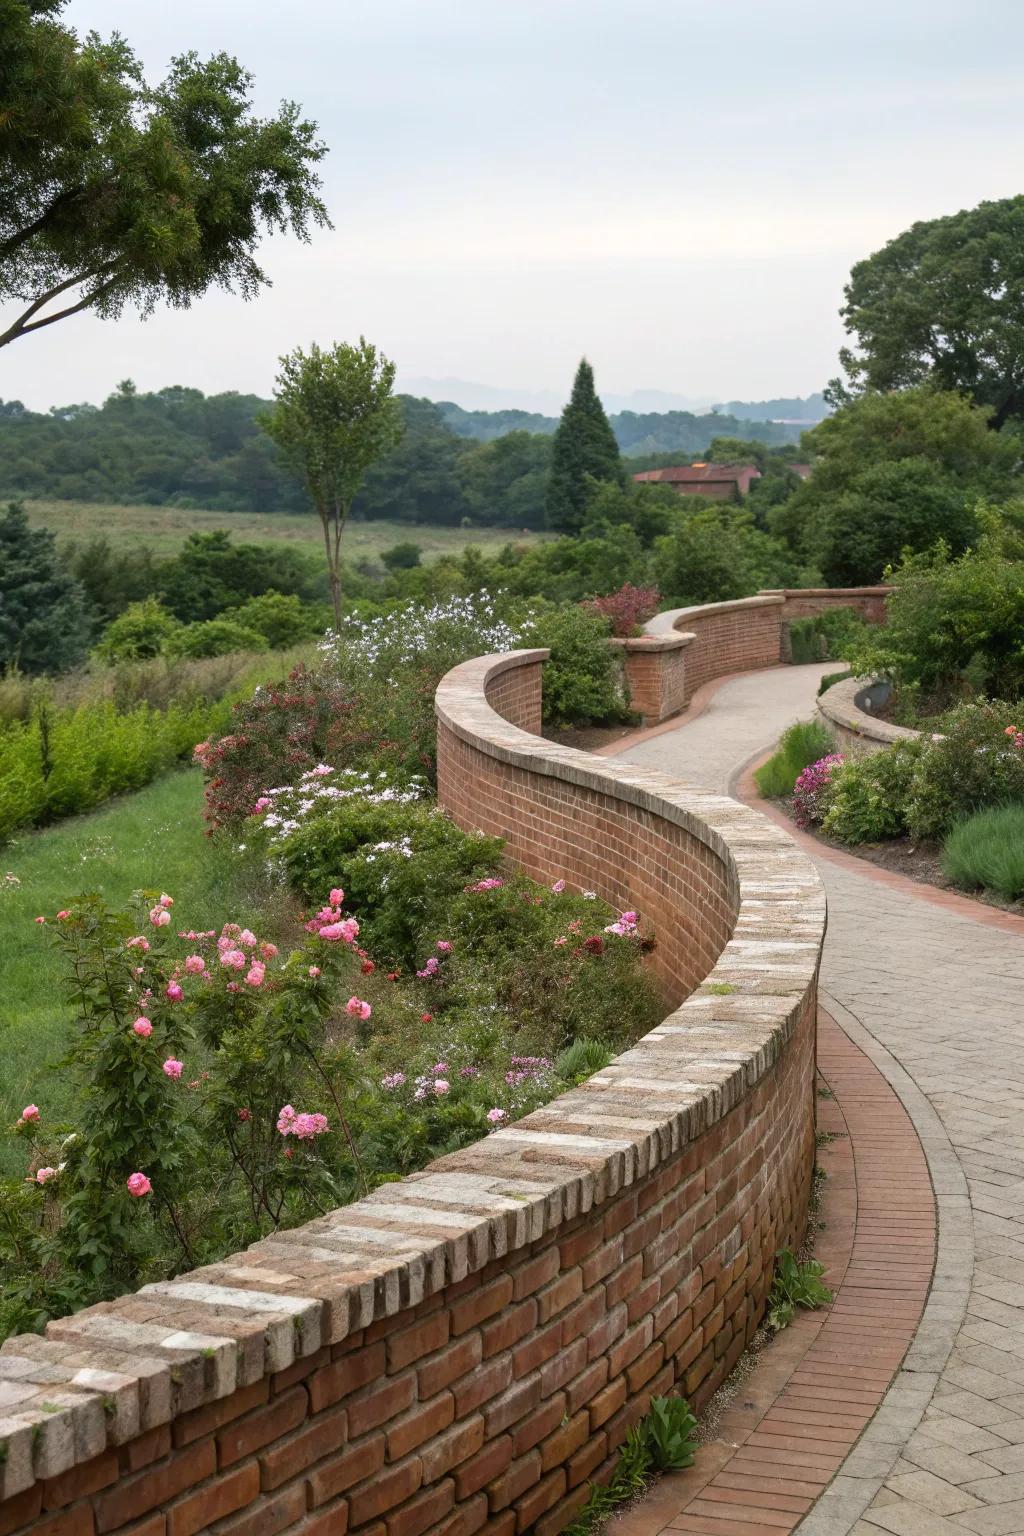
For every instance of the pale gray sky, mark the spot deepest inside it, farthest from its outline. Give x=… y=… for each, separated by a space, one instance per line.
x=675 y=187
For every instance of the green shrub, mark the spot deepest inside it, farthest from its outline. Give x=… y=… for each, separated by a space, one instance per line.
x=987 y=849
x=800 y=745
x=971 y=765
x=582 y=684
x=825 y=636
x=868 y=797
x=795 y=1285
x=282 y=619
x=403 y=556
x=214 y=637
x=831 y=678
x=143 y=630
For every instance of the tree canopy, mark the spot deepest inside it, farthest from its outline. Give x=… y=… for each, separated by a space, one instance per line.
x=585 y=452
x=44 y=626
x=114 y=192
x=944 y=302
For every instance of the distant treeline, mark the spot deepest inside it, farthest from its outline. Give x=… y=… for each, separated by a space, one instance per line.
x=179 y=447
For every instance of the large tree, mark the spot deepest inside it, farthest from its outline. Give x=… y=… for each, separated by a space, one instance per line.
x=115 y=192
x=584 y=452
x=44 y=626
x=944 y=302
x=334 y=414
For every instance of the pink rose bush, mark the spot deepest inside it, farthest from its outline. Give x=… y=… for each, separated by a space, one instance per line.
x=811 y=790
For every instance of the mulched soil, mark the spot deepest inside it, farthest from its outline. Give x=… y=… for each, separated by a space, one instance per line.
x=587 y=738
x=918 y=860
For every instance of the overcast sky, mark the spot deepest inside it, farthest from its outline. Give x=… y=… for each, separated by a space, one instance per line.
x=675 y=187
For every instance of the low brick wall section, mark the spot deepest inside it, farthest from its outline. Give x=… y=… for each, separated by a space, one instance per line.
x=683 y=648
x=461 y=1351
x=856 y=731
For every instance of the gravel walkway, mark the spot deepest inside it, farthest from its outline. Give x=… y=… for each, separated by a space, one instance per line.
x=935 y=996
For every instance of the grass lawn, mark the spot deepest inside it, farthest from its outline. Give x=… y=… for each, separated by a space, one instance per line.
x=153 y=838
x=164 y=529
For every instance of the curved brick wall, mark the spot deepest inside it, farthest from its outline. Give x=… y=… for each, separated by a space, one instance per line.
x=856 y=731
x=683 y=648
x=461 y=1351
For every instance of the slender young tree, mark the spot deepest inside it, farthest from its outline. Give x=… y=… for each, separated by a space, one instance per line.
x=584 y=451
x=334 y=414
x=116 y=192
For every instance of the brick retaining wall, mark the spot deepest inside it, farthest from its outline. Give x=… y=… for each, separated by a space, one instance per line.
x=683 y=648
x=857 y=732
x=461 y=1351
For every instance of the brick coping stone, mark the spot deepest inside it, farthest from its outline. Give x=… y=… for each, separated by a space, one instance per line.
x=118 y=1371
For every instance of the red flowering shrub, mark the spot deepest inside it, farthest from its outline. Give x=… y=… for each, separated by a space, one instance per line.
x=627 y=609
x=277 y=734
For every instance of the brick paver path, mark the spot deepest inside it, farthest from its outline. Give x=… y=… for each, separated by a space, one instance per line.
x=938 y=995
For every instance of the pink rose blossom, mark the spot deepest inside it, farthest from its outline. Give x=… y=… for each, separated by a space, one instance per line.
x=44 y=1174
x=496 y=1116
x=444 y=946
x=441 y=1086
x=174 y=992
x=159 y=917
x=245 y=1114
x=255 y=974
x=306 y=1127
x=558 y=887
x=62 y=915
x=248 y=938
x=233 y=986
x=234 y=959
x=138 y=943
x=337 y=896
x=30 y=1112
x=166 y=901
x=557 y=943
x=262 y=804
x=331 y=932
x=314 y=971
x=393 y=1080
x=195 y=965
x=358 y=1008
x=268 y=951
x=39 y=919
x=138 y=1185
x=143 y=1028
x=172 y=1068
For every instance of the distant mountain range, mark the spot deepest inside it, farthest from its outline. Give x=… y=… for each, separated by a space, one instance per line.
x=638 y=433
x=542 y=404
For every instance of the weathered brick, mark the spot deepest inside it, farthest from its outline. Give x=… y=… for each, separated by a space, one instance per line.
x=244 y=1436
x=213 y=1501
x=540 y=1499
x=77 y=1521
x=268 y=1516
x=538 y=1348
x=608 y=1401
x=535 y=1272
x=421 y=1423
x=77 y=1483
x=586 y=1385
x=522 y=1474
x=353 y=1465
x=423 y=1512
x=563 y=1514
x=624 y=1281
x=567 y=1439
x=373 y=1405
x=538 y=1423
x=298 y=1371
x=467 y=1517
x=449 y=1364
x=332 y=1520
x=511 y=1406
x=19 y=1511
x=346 y=1374
x=481 y=1304
x=155 y=1487
x=385 y=1491
x=317 y=1438
x=589 y=1456
x=209 y=1418
x=481 y=1469
x=559 y=1294
x=145 y=1449
x=483 y=1384
x=584 y=1315
x=421 y=1339
x=450 y=1449
x=646 y=1366
x=603 y=1261
x=513 y=1324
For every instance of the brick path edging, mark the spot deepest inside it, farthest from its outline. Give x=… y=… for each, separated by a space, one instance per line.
x=838 y=1378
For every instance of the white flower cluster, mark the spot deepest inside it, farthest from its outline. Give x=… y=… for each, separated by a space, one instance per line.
x=284 y=809
x=398 y=638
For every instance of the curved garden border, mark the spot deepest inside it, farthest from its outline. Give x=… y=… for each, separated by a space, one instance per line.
x=465 y=1348
x=856 y=731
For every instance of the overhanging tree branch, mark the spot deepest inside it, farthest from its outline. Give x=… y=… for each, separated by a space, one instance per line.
x=25 y=324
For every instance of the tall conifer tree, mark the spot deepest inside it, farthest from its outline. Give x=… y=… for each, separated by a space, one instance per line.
x=584 y=451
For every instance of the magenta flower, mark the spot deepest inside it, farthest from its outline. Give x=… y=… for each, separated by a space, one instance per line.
x=558 y=887
x=173 y=1068
x=444 y=946
x=255 y=974
x=138 y=1185
x=358 y=1008
x=138 y=943
x=174 y=992
x=262 y=804
x=314 y=971
x=30 y=1112
x=234 y=959
x=159 y=917
x=143 y=1028
x=496 y=1116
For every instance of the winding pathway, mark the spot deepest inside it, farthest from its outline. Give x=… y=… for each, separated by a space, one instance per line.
x=933 y=992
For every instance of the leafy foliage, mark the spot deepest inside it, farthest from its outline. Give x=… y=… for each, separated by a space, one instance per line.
x=661 y=1442
x=944 y=302
x=795 y=1285
x=628 y=609
x=716 y=552
x=800 y=745
x=116 y=192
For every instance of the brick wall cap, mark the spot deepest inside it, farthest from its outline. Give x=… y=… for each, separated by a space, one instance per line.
x=679 y=618
x=673 y=642
x=838 y=706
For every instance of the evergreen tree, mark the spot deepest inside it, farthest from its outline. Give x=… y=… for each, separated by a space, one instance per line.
x=44 y=626
x=584 y=451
